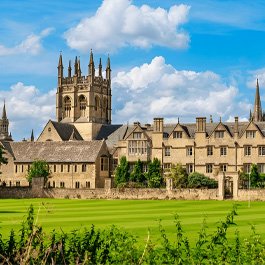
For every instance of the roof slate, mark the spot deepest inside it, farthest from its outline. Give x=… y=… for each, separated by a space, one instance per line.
x=72 y=151
x=65 y=130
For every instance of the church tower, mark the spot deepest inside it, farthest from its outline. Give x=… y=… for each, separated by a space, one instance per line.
x=84 y=101
x=257 y=112
x=4 y=123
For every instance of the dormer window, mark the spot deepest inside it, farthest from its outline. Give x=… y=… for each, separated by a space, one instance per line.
x=219 y=134
x=177 y=134
x=250 y=134
x=137 y=135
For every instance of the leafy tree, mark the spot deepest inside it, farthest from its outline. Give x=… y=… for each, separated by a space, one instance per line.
x=154 y=174
x=39 y=168
x=254 y=176
x=122 y=174
x=179 y=175
x=137 y=173
x=3 y=160
x=198 y=180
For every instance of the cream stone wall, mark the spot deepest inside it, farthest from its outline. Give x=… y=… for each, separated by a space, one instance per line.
x=88 y=130
x=49 y=134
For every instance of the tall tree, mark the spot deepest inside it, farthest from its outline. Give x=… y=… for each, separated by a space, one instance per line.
x=122 y=174
x=39 y=168
x=137 y=173
x=3 y=160
x=179 y=175
x=154 y=174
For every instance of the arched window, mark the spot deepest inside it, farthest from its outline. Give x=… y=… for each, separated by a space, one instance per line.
x=82 y=105
x=105 y=106
x=67 y=106
x=97 y=103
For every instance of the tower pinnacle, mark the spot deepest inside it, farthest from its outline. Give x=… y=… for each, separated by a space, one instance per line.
x=257 y=113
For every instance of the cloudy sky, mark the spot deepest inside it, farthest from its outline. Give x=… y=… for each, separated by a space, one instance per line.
x=169 y=58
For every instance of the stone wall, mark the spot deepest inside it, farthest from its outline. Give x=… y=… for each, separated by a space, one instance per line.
x=253 y=195
x=133 y=194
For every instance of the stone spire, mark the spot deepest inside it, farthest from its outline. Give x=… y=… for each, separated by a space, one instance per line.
x=4 y=117
x=91 y=66
x=108 y=70
x=250 y=115
x=76 y=66
x=257 y=113
x=69 y=69
x=100 y=68
x=60 y=69
x=79 y=68
x=32 y=136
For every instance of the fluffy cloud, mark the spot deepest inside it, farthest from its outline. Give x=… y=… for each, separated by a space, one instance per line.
x=158 y=89
x=31 y=45
x=118 y=23
x=260 y=74
x=27 y=108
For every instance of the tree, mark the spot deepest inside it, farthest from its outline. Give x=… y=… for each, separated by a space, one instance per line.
x=122 y=174
x=254 y=175
x=179 y=176
x=198 y=180
x=3 y=160
x=154 y=174
x=39 y=168
x=137 y=173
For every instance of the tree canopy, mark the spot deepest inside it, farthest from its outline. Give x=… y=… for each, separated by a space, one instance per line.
x=39 y=168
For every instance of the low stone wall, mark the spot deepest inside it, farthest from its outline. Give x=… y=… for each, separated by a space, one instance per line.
x=253 y=195
x=15 y=192
x=129 y=194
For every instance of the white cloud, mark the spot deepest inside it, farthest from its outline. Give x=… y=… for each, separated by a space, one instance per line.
x=158 y=89
x=118 y=23
x=28 y=108
x=31 y=45
x=260 y=74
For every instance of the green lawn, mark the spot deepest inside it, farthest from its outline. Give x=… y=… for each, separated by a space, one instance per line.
x=134 y=216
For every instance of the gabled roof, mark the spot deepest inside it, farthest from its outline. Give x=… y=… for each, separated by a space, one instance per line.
x=52 y=152
x=106 y=130
x=65 y=130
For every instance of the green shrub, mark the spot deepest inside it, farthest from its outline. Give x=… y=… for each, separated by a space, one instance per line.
x=122 y=174
x=179 y=175
x=198 y=180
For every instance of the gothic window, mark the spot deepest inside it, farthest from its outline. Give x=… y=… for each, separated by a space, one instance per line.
x=97 y=103
x=82 y=105
x=105 y=106
x=104 y=163
x=67 y=106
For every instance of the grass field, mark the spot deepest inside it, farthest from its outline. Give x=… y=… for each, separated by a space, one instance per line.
x=133 y=216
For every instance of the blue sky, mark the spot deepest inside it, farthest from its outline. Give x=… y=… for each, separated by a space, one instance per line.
x=169 y=58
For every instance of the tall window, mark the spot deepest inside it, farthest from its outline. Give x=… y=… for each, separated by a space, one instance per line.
x=219 y=134
x=223 y=151
x=137 y=147
x=77 y=184
x=82 y=105
x=189 y=150
x=261 y=168
x=61 y=168
x=223 y=167
x=209 y=150
x=54 y=168
x=137 y=135
x=247 y=150
x=105 y=107
x=97 y=103
x=83 y=167
x=247 y=168
x=189 y=168
x=167 y=151
x=67 y=106
x=250 y=134
x=262 y=150
x=104 y=163
x=209 y=168
x=177 y=134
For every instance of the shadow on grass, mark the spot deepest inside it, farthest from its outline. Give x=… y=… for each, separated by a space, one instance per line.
x=10 y=212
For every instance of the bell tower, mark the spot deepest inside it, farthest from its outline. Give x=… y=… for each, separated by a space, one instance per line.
x=4 y=123
x=84 y=99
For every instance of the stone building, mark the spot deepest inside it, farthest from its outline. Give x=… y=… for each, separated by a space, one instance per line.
x=83 y=148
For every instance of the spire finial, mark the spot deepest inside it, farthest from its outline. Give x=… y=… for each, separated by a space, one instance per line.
x=220 y=119
x=257 y=113
x=100 y=68
x=178 y=120
x=76 y=66
x=4 y=116
x=32 y=136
